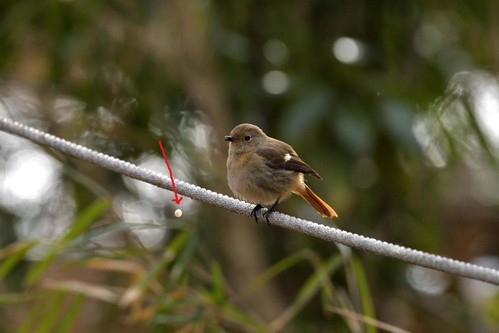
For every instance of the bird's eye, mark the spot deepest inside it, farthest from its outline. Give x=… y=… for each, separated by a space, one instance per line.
x=247 y=138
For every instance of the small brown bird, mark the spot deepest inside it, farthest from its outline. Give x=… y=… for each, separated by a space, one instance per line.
x=264 y=170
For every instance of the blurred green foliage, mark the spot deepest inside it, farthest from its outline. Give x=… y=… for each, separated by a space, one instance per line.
x=390 y=101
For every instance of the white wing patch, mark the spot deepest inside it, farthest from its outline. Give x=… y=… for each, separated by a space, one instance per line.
x=287 y=157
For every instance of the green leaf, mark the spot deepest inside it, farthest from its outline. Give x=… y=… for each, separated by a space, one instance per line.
x=150 y=277
x=364 y=293
x=52 y=313
x=308 y=290
x=217 y=279
x=82 y=222
x=34 y=316
x=86 y=218
x=71 y=314
x=275 y=270
x=14 y=254
x=182 y=258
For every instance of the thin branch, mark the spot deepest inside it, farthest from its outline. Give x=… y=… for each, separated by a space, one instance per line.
x=330 y=234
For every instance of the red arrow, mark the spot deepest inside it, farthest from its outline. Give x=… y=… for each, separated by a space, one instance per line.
x=177 y=199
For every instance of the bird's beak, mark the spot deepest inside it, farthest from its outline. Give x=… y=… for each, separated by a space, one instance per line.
x=228 y=138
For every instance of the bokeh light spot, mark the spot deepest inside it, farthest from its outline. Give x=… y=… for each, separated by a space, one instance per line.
x=275 y=82
x=348 y=50
x=275 y=51
x=29 y=175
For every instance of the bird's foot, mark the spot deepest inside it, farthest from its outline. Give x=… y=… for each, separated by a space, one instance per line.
x=267 y=214
x=255 y=211
x=270 y=211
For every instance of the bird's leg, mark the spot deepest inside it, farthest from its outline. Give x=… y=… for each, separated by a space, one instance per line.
x=270 y=210
x=255 y=211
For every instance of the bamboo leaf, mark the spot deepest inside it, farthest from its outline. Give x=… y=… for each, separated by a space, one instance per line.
x=52 y=312
x=14 y=254
x=136 y=290
x=308 y=290
x=71 y=314
x=279 y=267
x=364 y=293
x=86 y=218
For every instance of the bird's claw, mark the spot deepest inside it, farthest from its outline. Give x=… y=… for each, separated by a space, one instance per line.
x=255 y=211
x=267 y=214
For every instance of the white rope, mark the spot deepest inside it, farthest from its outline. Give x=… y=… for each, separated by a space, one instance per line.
x=276 y=219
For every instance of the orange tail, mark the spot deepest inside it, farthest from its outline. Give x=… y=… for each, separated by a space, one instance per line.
x=320 y=206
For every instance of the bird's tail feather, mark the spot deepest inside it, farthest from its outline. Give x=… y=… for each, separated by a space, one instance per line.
x=320 y=206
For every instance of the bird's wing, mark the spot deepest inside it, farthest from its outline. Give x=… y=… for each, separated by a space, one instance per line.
x=284 y=157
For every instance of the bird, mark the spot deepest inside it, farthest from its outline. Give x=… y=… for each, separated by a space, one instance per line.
x=264 y=171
